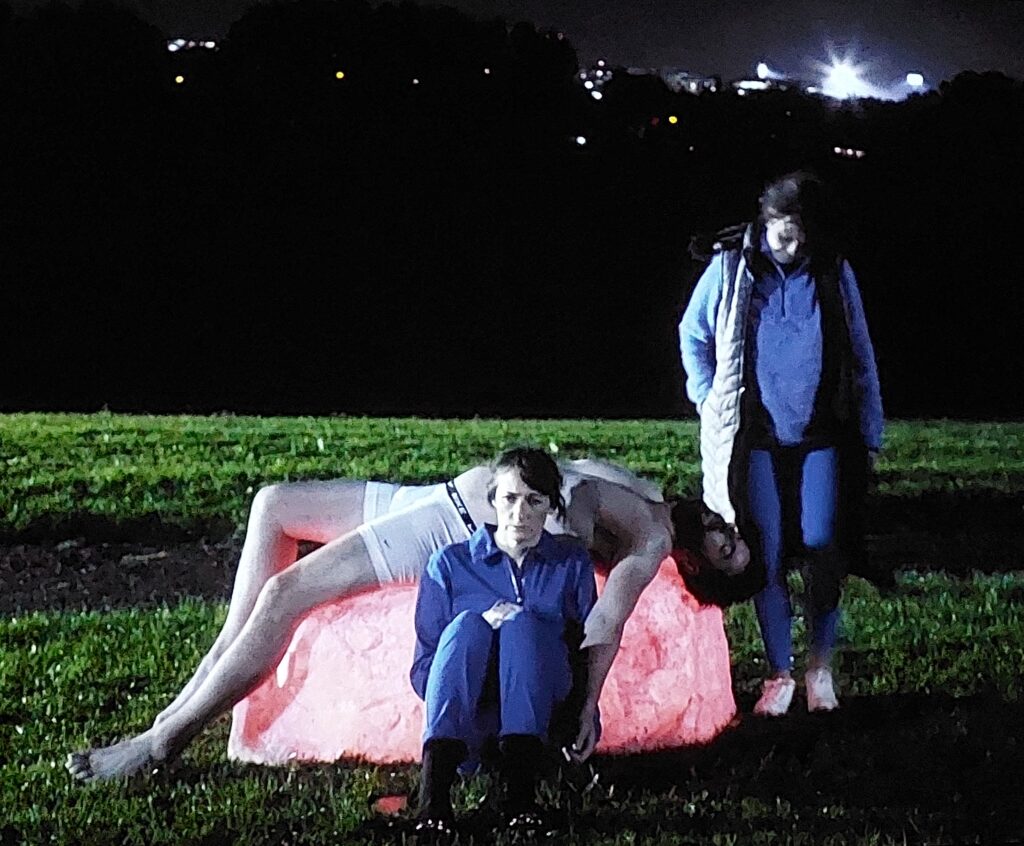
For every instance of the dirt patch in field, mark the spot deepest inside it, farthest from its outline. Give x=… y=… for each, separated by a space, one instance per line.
x=89 y=562
x=75 y=575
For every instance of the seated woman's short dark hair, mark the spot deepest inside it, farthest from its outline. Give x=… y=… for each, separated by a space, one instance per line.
x=538 y=470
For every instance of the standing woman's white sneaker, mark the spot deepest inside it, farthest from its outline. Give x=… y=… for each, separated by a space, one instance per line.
x=821 y=693
x=776 y=697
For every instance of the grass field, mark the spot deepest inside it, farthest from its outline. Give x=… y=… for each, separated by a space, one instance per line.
x=928 y=747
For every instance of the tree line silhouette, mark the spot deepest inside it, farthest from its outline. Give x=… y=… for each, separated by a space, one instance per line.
x=388 y=210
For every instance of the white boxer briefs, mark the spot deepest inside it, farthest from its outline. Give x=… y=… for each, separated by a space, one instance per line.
x=404 y=524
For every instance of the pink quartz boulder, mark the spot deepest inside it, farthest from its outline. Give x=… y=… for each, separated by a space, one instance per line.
x=342 y=689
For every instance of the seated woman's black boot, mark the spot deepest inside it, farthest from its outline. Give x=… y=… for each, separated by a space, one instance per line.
x=521 y=759
x=435 y=819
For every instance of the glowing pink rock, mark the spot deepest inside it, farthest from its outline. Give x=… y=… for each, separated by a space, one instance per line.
x=343 y=687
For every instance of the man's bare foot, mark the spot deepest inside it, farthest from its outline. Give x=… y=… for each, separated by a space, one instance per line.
x=126 y=758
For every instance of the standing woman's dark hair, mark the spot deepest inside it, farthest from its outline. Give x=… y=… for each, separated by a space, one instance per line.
x=802 y=194
x=538 y=470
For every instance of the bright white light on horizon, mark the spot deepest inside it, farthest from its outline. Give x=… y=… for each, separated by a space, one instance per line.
x=842 y=81
x=762 y=70
x=597 y=95
x=581 y=140
x=588 y=85
x=844 y=78
x=600 y=63
x=915 y=80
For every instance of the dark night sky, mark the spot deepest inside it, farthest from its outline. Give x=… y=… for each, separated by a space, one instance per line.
x=936 y=37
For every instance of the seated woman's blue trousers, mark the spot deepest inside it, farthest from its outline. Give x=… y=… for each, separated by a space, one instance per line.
x=533 y=676
x=818 y=494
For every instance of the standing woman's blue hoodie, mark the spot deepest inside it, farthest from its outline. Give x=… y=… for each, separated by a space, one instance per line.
x=809 y=409
x=783 y=324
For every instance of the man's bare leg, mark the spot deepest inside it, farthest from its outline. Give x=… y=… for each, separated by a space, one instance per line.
x=280 y=516
x=337 y=569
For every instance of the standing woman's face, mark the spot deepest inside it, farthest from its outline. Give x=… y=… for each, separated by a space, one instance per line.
x=785 y=236
x=521 y=510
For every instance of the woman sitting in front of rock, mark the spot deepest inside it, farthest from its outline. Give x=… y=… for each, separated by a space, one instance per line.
x=492 y=659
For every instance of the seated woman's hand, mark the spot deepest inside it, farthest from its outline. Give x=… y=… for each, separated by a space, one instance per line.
x=501 y=612
x=583 y=747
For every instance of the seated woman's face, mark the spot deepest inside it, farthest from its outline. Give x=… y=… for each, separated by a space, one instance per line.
x=521 y=510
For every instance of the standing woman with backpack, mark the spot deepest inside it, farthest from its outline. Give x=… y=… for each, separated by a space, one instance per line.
x=782 y=371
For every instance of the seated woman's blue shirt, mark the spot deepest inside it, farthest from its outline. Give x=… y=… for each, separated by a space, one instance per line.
x=556 y=582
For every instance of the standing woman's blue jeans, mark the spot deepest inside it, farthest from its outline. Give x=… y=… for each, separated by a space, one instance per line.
x=818 y=495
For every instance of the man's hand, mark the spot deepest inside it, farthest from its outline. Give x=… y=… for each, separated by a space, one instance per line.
x=586 y=740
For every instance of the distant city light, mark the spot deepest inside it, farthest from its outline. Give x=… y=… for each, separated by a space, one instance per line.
x=176 y=44
x=752 y=85
x=581 y=140
x=599 y=73
x=597 y=95
x=915 y=80
x=487 y=71
x=843 y=78
x=588 y=85
x=692 y=148
x=673 y=119
x=339 y=75
x=179 y=79
x=762 y=70
x=848 y=152
x=415 y=81
x=600 y=63
x=842 y=81
x=583 y=74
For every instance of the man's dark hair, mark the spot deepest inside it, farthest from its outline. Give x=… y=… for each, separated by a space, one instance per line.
x=708 y=585
x=538 y=470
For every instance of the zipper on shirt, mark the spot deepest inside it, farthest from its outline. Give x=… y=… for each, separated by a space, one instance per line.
x=517 y=582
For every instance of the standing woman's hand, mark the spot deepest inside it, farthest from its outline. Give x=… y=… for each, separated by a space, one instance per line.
x=872 y=461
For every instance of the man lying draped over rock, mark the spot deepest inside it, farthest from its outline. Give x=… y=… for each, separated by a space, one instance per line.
x=377 y=533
